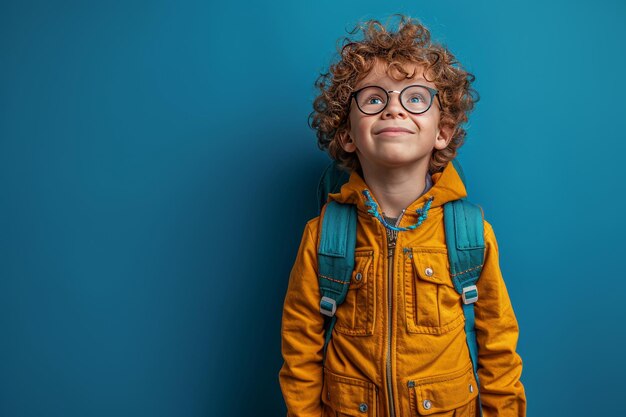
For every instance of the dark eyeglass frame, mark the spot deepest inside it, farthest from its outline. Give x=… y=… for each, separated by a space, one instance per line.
x=433 y=92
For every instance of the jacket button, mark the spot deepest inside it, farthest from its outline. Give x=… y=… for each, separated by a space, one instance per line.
x=429 y=272
x=471 y=388
x=427 y=404
x=363 y=407
x=358 y=276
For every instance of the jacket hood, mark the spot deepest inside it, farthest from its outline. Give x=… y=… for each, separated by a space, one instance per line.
x=447 y=186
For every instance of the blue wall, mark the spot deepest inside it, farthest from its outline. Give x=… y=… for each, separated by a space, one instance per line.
x=157 y=171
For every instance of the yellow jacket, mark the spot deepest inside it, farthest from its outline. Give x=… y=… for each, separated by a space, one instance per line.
x=398 y=348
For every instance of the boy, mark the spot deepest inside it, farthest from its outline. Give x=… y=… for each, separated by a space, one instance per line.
x=390 y=111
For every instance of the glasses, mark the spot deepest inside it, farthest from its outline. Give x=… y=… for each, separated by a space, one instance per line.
x=415 y=99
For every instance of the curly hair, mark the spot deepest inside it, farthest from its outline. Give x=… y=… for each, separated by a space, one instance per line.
x=410 y=43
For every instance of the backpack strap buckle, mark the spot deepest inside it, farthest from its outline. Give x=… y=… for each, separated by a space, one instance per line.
x=470 y=294
x=328 y=306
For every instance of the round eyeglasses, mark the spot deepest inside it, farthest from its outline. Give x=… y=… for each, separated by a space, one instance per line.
x=415 y=99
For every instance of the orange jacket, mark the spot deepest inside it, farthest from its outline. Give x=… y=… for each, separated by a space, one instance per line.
x=398 y=347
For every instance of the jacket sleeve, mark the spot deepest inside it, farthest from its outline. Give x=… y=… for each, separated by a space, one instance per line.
x=302 y=328
x=499 y=365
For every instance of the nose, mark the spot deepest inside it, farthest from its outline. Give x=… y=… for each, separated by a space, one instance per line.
x=394 y=107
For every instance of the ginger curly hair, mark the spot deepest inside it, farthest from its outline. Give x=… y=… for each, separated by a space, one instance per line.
x=410 y=43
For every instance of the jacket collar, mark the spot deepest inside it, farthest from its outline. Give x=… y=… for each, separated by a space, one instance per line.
x=447 y=186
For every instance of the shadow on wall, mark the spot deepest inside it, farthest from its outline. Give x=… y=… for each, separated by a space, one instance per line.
x=248 y=342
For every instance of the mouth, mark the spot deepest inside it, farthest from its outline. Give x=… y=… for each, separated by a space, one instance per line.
x=394 y=131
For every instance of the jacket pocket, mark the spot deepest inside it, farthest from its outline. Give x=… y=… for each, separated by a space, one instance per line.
x=356 y=315
x=432 y=304
x=345 y=396
x=448 y=395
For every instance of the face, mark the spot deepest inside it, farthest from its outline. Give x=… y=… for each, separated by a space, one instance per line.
x=395 y=138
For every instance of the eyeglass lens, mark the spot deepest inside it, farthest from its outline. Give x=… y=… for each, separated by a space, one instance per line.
x=372 y=100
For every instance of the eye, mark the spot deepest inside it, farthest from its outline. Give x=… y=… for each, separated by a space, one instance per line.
x=414 y=99
x=374 y=100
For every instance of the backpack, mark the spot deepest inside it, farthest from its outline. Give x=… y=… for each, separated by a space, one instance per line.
x=463 y=225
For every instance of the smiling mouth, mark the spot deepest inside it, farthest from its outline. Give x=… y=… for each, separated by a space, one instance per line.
x=394 y=132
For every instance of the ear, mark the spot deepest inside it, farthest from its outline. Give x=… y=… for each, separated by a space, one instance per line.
x=346 y=142
x=444 y=136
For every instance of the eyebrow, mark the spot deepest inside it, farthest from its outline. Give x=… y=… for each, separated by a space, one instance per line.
x=413 y=82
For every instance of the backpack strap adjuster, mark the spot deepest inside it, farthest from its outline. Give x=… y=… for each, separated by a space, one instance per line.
x=470 y=294
x=328 y=306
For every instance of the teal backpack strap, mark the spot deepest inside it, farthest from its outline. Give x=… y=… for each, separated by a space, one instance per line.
x=466 y=249
x=459 y=170
x=335 y=256
x=330 y=182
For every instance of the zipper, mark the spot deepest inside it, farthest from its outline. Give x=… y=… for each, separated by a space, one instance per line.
x=392 y=237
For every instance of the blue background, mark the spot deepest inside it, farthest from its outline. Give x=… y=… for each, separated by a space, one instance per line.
x=157 y=172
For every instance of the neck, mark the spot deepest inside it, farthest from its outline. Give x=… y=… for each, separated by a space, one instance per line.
x=396 y=188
